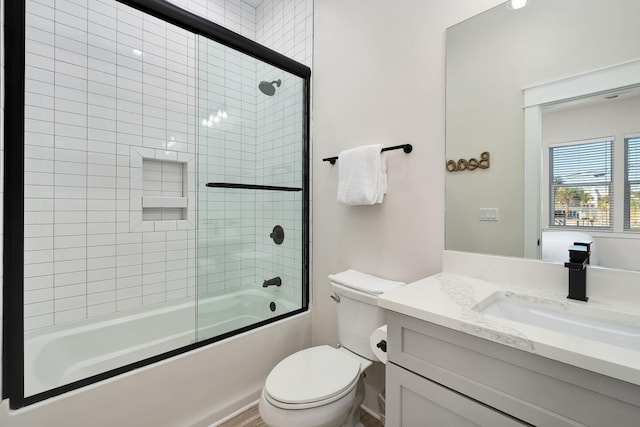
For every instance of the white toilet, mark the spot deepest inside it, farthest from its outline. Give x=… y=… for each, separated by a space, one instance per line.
x=323 y=386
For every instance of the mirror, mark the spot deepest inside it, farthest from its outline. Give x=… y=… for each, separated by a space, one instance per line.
x=498 y=62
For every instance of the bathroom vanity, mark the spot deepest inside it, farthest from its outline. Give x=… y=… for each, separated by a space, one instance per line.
x=470 y=351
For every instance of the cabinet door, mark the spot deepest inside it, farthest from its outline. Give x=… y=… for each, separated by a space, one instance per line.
x=414 y=401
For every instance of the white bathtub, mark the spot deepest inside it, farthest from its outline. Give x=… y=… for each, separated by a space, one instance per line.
x=62 y=354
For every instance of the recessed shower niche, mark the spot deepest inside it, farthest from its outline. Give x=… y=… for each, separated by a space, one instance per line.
x=162 y=190
x=163 y=195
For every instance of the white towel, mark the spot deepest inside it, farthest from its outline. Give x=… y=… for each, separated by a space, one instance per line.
x=362 y=175
x=364 y=282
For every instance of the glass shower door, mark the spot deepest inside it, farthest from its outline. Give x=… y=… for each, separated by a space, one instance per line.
x=251 y=155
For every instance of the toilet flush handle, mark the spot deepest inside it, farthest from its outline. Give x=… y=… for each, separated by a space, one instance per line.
x=335 y=297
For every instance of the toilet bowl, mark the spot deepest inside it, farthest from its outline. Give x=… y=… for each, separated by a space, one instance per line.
x=323 y=386
x=316 y=387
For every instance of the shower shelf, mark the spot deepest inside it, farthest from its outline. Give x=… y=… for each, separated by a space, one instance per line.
x=164 y=202
x=251 y=186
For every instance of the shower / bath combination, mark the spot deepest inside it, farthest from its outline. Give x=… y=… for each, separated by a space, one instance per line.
x=246 y=162
x=268 y=88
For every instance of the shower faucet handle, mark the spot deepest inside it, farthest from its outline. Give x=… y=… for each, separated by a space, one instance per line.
x=277 y=235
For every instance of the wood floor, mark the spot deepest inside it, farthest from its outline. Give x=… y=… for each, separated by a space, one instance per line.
x=251 y=418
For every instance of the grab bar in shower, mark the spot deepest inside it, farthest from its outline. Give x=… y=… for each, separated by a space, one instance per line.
x=407 y=148
x=251 y=186
x=276 y=281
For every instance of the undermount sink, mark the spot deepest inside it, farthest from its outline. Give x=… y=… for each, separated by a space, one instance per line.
x=619 y=329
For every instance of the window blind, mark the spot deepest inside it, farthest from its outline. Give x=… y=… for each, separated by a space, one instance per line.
x=581 y=185
x=632 y=184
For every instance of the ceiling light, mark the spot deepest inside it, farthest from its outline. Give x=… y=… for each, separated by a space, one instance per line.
x=517 y=4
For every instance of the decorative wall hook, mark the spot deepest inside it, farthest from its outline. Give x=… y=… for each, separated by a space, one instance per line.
x=471 y=164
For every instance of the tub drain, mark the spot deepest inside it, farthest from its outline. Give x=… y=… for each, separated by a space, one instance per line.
x=272 y=306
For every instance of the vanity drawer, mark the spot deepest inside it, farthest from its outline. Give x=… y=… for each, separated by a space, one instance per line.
x=529 y=387
x=413 y=401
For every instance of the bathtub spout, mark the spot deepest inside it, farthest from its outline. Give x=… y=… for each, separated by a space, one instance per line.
x=276 y=281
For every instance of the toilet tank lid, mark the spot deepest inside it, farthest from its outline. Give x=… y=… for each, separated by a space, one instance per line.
x=364 y=282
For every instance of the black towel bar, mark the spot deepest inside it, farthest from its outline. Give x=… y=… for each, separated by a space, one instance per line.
x=251 y=186
x=407 y=148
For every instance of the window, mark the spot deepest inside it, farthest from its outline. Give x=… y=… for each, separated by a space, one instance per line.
x=581 y=185
x=632 y=183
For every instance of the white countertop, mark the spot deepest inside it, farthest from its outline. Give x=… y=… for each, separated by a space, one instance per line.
x=446 y=299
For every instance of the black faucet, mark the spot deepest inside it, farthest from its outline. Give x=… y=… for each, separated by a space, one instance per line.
x=276 y=281
x=579 y=255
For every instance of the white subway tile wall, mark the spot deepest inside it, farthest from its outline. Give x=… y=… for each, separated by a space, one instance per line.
x=286 y=26
x=226 y=218
x=278 y=154
x=101 y=78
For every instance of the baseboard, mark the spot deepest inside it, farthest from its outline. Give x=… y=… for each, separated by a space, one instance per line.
x=236 y=413
x=246 y=407
x=208 y=420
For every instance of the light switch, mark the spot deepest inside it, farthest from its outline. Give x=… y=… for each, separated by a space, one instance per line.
x=488 y=214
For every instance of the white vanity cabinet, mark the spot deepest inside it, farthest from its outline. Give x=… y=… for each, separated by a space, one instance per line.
x=413 y=400
x=437 y=376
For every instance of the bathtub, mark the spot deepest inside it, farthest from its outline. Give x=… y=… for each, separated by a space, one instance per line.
x=65 y=353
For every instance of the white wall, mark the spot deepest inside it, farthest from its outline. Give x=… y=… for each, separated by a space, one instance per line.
x=379 y=78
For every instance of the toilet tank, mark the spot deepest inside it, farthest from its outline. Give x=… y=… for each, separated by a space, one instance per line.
x=358 y=316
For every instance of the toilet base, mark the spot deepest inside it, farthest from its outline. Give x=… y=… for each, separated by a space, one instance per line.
x=353 y=420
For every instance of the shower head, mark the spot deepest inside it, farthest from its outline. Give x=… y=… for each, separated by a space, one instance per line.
x=267 y=88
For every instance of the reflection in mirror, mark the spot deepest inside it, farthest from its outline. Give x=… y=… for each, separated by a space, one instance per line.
x=589 y=165
x=491 y=60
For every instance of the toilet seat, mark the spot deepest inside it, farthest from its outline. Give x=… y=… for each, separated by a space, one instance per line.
x=312 y=377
